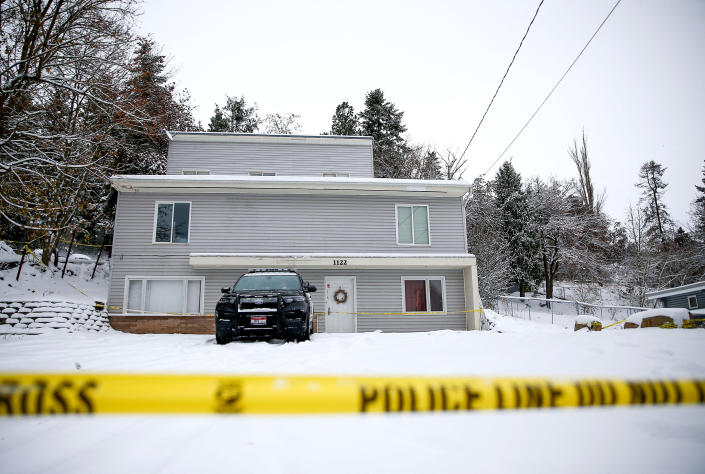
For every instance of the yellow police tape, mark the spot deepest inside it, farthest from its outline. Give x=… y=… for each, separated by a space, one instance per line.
x=62 y=240
x=48 y=394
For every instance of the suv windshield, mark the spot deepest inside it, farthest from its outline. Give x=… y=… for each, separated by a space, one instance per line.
x=268 y=282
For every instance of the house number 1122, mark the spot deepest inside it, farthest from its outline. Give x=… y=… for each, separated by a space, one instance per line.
x=340 y=262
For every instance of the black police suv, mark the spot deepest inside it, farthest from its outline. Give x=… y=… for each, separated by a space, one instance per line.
x=265 y=303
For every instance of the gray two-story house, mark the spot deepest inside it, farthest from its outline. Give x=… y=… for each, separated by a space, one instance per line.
x=385 y=254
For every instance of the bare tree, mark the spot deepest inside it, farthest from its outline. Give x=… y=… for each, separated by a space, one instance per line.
x=585 y=188
x=566 y=238
x=61 y=71
x=453 y=166
x=285 y=124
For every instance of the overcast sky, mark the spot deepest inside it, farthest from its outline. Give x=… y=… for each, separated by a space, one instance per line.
x=638 y=91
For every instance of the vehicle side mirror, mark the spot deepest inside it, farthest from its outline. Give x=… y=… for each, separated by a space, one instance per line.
x=311 y=288
x=225 y=290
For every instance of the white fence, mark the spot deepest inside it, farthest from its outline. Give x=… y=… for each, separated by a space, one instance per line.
x=560 y=312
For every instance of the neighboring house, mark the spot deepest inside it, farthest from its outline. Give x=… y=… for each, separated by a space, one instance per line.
x=374 y=247
x=690 y=297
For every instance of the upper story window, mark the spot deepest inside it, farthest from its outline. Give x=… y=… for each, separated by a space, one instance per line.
x=412 y=224
x=192 y=172
x=336 y=175
x=172 y=222
x=693 y=302
x=262 y=173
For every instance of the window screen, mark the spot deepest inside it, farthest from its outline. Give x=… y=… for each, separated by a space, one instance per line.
x=412 y=225
x=177 y=296
x=404 y=229
x=172 y=223
x=164 y=296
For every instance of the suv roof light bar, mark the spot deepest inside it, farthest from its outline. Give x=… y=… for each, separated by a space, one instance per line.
x=256 y=270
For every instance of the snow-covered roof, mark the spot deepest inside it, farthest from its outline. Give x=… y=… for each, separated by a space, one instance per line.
x=271 y=138
x=679 y=290
x=290 y=185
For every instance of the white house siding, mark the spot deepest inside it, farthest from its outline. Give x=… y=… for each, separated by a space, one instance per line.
x=286 y=159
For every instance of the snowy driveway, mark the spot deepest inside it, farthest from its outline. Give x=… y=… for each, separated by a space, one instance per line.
x=653 y=439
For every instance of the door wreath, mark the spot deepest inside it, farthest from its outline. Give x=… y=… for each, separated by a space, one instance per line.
x=340 y=296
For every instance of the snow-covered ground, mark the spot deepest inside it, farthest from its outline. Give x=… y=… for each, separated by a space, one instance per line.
x=635 y=439
x=36 y=282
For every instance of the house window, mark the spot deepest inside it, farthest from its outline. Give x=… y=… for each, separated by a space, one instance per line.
x=192 y=172
x=693 y=302
x=423 y=294
x=171 y=222
x=262 y=173
x=161 y=295
x=336 y=175
x=412 y=225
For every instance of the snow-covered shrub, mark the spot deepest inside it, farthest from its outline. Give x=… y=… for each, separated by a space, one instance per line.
x=657 y=317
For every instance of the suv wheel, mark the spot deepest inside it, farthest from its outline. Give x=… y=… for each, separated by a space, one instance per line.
x=220 y=339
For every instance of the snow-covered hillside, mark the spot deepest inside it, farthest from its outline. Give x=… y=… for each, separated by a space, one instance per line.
x=36 y=282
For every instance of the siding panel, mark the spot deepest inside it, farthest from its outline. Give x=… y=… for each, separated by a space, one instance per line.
x=284 y=159
x=681 y=301
x=245 y=223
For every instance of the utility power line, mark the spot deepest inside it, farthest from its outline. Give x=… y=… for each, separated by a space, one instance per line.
x=502 y=81
x=554 y=87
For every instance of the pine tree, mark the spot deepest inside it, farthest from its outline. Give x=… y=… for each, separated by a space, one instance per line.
x=698 y=210
x=344 y=121
x=518 y=232
x=486 y=241
x=656 y=215
x=235 y=117
x=143 y=145
x=382 y=121
x=218 y=122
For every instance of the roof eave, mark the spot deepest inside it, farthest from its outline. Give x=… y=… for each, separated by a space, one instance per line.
x=288 y=186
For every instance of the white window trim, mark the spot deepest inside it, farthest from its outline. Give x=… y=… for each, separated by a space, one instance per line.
x=428 y=293
x=154 y=225
x=195 y=171
x=261 y=173
x=696 y=302
x=428 y=224
x=184 y=304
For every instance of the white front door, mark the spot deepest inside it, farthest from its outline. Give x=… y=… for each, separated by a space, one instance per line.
x=340 y=304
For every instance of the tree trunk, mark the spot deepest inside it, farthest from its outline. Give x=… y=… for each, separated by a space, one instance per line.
x=68 y=253
x=547 y=275
x=47 y=250
x=19 y=270
x=100 y=252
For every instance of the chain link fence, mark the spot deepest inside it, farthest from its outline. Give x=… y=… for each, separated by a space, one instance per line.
x=561 y=312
